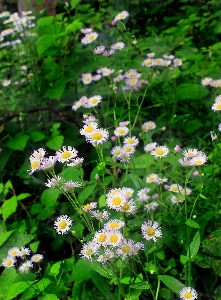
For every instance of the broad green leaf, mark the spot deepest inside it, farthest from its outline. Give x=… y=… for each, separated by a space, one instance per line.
x=4 y=236
x=141 y=286
x=46 y=213
x=102 y=285
x=23 y=196
x=194 y=247
x=7 y=278
x=193 y=125
x=102 y=270
x=34 y=246
x=202 y=196
x=70 y=173
x=56 y=91
x=55 y=269
x=86 y=192
x=36 y=208
x=183 y=259
x=55 y=142
x=74 y=26
x=190 y=91
x=68 y=265
x=126 y=280
x=74 y=3
x=18 y=142
x=102 y=201
x=143 y=161
x=133 y=295
x=45 y=42
x=9 y=207
x=82 y=270
x=16 y=289
x=50 y=297
x=192 y=223
x=37 y=136
x=49 y=197
x=175 y=285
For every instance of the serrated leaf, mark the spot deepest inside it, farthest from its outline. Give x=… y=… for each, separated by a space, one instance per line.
x=50 y=297
x=45 y=42
x=55 y=142
x=194 y=247
x=192 y=223
x=74 y=26
x=9 y=207
x=173 y=284
x=37 y=136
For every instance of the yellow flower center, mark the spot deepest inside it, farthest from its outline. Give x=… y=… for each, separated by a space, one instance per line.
x=14 y=252
x=160 y=152
x=130 y=141
x=97 y=136
x=132 y=81
x=125 y=249
x=128 y=149
x=150 y=231
x=89 y=252
x=88 y=78
x=198 y=162
x=125 y=207
x=121 y=131
x=35 y=164
x=150 y=125
x=94 y=100
x=121 y=16
x=87 y=207
x=214 y=83
x=174 y=188
x=158 y=61
x=89 y=129
x=102 y=237
x=218 y=106
x=36 y=258
x=117 y=152
x=148 y=62
x=151 y=179
x=91 y=37
x=66 y=154
x=190 y=154
x=114 y=225
x=116 y=201
x=188 y=295
x=63 y=224
x=9 y=262
x=114 y=238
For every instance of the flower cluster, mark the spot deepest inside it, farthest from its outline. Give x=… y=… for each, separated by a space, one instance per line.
x=87 y=102
x=217 y=104
x=208 y=81
x=94 y=134
x=123 y=153
x=120 y=200
x=193 y=157
x=15 y=254
x=89 y=37
x=156 y=62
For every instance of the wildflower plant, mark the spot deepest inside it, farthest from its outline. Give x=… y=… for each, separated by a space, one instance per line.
x=133 y=190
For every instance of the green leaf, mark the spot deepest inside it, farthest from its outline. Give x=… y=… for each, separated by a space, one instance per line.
x=18 y=142
x=55 y=269
x=133 y=295
x=141 y=286
x=74 y=3
x=190 y=91
x=55 y=142
x=4 y=236
x=102 y=201
x=46 y=213
x=37 y=136
x=68 y=265
x=202 y=196
x=193 y=125
x=194 y=247
x=36 y=208
x=102 y=285
x=82 y=270
x=70 y=173
x=49 y=197
x=45 y=42
x=56 y=91
x=34 y=246
x=192 y=223
x=183 y=259
x=175 y=285
x=74 y=26
x=141 y=162
x=16 y=289
x=9 y=207
x=50 y=297
x=86 y=192
x=23 y=196
x=6 y=280
x=102 y=270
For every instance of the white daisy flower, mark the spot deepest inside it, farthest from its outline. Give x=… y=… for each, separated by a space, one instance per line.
x=87 y=78
x=94 y=101
x=148 y=126
x=100 y=237
x=176 y=188
x=186 y=191
x=106 y=256
x=160 y=151
x=99 y=50
x=151 y=231
x=216 y=106
x=199 y=159
x=24 y=251
x=25 y=267
x=89 y=250
x=176 y=200
x=89 y=38
x=188 y=293
x=121 y=131
x=6 y=82
x=158 y=62
x=151 y=206
x=150 y=147
x=97 y=136
x=177 y=62
x=116 y=151
x=118 y=46
x=88 y=128
x=89 y=206
x=114 y=225
x=13 y=252
x=152 y=178
x=63 y=224
x=114 y=238
x=37 y=258
x=206 y=81
x=65 y=154
x=147 y=62
x=116 y=201
x=8 y=262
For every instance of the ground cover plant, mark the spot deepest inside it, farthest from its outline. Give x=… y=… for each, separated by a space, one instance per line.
x=110 y=154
